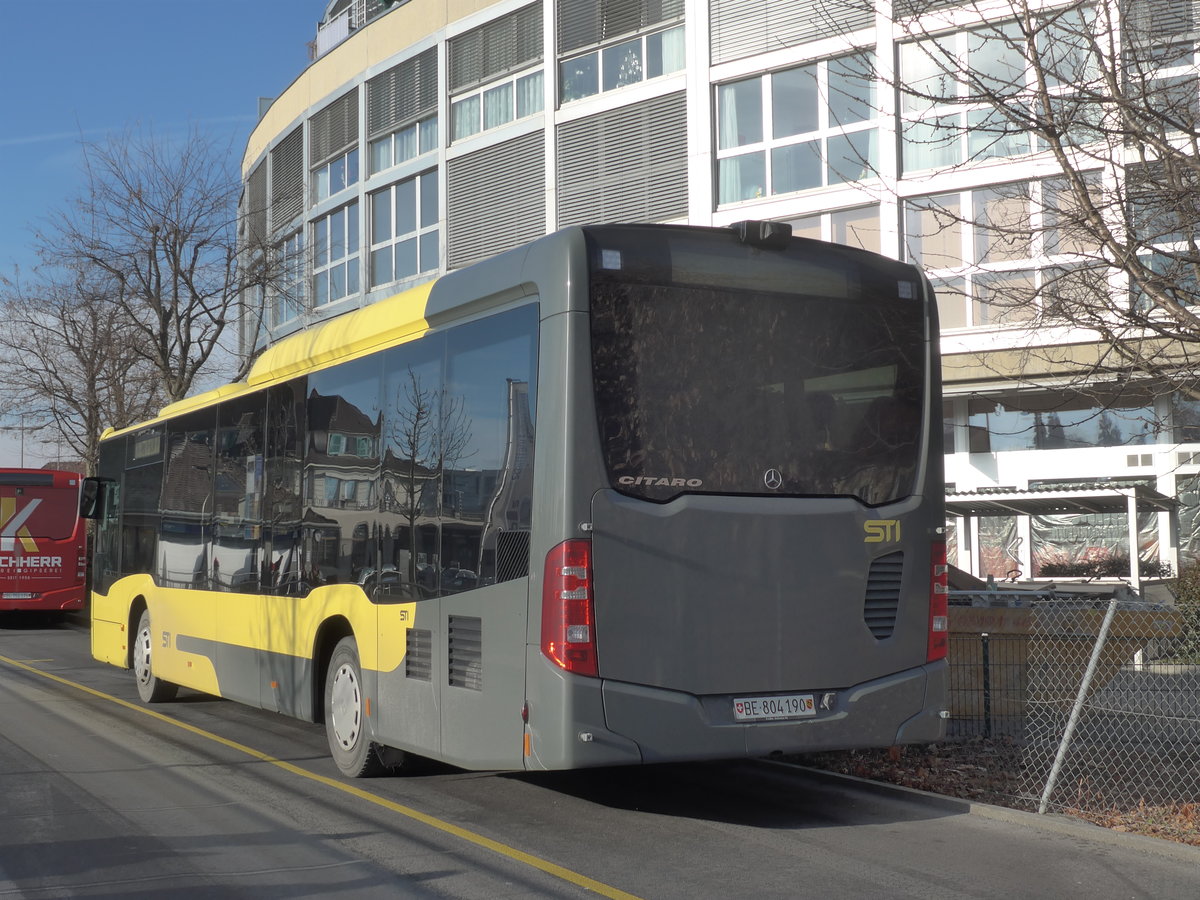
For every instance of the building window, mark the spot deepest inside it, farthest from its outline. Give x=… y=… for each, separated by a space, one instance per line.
x=1185 y=417
x=1005 y=254
x=335 y=255
x=333 y=147
x=855 y=227
x=287 y=180
x=630 y=61
x=336 y=175
x=491 y=75
x=1059 y=421
x=405 y=232
x=959 y=86
x=496 y=105
x=287 y=298
x=402 y=121
x=806 y=127
x=407 y=143
x=942 y=127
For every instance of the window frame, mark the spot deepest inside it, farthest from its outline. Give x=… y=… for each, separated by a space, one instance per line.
x=288 y=302
x=479 y=92
x=427 y=221
x=596 y=56
x=324 y=185
x=325 y=265
x=766 y=150
x=1045 y=260
x=952 y=124
x=425 y=133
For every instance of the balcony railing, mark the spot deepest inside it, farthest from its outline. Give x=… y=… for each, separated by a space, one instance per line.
x=345 y=23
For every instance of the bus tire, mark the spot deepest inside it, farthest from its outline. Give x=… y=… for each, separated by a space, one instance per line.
x=151 y=688
x=346 y=716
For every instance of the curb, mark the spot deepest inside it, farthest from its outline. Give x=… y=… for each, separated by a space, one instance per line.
x=1058 y=823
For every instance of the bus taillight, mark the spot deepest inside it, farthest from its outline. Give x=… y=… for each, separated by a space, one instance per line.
x=568 y=621
x=939 y=613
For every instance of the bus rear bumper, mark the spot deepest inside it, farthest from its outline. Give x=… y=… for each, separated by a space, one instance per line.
x=49 y=601
x=668 y=725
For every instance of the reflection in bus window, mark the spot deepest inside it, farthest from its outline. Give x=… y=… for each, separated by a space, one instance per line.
x=184 y=553
x=342 y=466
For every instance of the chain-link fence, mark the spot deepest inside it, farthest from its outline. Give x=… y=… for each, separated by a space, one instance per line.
x=1114 y=715
x=1101 y=699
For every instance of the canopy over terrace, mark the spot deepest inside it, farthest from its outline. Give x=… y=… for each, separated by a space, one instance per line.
x=1099 y=498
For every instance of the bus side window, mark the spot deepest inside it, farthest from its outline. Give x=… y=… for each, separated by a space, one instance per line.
x=91 y=499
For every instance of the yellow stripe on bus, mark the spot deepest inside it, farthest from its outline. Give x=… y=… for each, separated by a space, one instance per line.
x=394 y=320
x=277 y=624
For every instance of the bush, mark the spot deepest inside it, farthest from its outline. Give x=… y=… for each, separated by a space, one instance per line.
x=1114 y=565
x=1187 y=602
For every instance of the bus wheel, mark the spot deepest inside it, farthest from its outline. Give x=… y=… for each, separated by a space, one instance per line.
x=346 y=717
x=150 y=688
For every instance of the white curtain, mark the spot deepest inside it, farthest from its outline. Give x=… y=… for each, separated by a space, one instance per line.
x=464 y=118
x=530 y=96
x=406 y=143
x=498 y=106
x=672 y=51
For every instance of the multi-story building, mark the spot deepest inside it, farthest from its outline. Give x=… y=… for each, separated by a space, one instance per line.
x=428 y=134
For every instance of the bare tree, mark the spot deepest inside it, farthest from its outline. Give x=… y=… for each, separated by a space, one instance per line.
x=428 y=436
x=1095 y=250
x=65 y=359
x=1102 y=99
x=156 y=221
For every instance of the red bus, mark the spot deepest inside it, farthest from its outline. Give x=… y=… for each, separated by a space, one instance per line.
x=43 y=541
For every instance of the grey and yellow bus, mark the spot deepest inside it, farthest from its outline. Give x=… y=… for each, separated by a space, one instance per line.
x=628 y=494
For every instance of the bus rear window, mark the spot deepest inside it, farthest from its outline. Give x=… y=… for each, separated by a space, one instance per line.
x=742 y=391
x=38 y=511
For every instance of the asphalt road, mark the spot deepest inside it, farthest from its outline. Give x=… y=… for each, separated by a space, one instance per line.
x=103 y=797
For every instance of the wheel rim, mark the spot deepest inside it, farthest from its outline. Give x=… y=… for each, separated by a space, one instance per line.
x=345 y=707
x=141 y=657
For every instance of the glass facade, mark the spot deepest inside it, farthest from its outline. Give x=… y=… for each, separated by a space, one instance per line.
x=1057 y=422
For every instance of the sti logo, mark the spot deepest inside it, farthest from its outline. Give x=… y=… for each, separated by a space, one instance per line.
x=13 y=527
x=879 y=531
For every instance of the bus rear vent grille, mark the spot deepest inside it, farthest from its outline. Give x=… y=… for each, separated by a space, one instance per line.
x=418 y=655
x=883 y=594
x=466 y=652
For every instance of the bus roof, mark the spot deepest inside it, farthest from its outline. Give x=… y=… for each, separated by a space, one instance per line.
x=386 y=323
x=39 y=477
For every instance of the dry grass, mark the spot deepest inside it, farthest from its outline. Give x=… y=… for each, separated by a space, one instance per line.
x=989 y=771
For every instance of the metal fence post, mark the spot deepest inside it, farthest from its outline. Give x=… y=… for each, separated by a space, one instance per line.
x=1065 y=743
x=987 y=688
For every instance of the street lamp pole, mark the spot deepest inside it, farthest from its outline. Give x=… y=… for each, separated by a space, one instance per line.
x=22 y=429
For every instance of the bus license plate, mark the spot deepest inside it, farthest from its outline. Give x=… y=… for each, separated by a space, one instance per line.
x=19 y=595
x=785 y=706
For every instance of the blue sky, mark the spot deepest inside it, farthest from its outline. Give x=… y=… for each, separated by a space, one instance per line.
x=75 y=70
